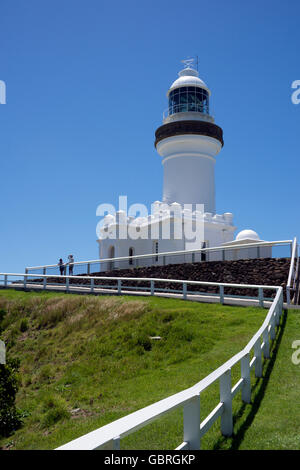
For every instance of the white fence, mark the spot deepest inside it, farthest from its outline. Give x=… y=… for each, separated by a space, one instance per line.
x=218 y=253
x=115 y=285
x=292 y=283
x=110 y=435
x=189 y=256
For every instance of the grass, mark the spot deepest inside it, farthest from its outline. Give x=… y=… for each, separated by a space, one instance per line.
x=86 y=361
x=272 y=421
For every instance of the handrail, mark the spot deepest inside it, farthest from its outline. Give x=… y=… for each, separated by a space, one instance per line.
x=171 y=253
x=147 y=279
x=292 y=271
x=108 y=436
x=292 y=261
x=296 y=282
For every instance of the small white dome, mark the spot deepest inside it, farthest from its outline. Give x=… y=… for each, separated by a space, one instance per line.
x=188 y=77
x=247 y=235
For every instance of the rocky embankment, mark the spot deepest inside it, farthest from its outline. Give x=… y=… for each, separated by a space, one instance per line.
x=264 y=271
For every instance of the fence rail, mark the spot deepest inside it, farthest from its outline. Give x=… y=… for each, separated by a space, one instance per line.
x=164 y=258
x=91 y=266
x=109 y=436
x=292 y=283
x=97 y=284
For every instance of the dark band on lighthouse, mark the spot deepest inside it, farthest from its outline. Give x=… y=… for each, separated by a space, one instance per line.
x=171 y=129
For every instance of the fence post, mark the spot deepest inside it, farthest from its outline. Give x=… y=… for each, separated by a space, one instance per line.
x=261 y=296
x=221 y=294
x=67 y=284
x=116 y=443
x=25 y=282
x=44 y=283
x=266 y=341
x=152 y=287
x=184 y=289
x=276 y=316
x=226 y=398
x=92 y=284
x=258 y=362
x=281 y=302
x=119 y=286
x=272 y=330
x=89 y=269
x=5 y=280
x=288 y=295
x=245 y=374
x=113 y=444
x=191 y=423
x=44 y=271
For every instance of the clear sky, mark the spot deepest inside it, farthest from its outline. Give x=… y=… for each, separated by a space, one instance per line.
x=86 y=87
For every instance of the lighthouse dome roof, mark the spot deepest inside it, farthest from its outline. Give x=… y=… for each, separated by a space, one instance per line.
x=188 y=77
x=247 y=235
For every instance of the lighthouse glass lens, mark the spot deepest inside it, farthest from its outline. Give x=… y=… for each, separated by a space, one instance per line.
x=189 y=99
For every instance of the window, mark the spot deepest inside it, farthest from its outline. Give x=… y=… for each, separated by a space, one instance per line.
x=131 y=253
x=186 y=99
x=203 y=253
x=155 y=250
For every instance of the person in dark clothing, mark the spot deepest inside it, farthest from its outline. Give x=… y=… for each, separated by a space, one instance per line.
x=71 y=264
x=61 y=267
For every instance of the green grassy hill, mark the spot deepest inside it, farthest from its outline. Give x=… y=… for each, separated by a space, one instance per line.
x=86 y=361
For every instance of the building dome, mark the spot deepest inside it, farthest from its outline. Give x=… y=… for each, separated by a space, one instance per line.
x=188 y=77
x=247 y=235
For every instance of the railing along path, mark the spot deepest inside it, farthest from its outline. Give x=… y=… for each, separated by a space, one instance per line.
x=110 y=435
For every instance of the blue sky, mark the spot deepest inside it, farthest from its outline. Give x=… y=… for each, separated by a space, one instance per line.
x=86 y=88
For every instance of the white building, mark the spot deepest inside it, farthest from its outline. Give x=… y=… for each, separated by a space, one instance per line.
x=189 y=142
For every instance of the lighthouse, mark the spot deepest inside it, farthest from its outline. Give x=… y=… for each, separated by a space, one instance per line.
x=188 y=142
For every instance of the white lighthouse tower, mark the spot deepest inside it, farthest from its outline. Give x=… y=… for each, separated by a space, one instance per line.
x=188 y=142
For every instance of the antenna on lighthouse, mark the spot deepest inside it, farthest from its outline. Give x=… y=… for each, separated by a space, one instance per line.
x=188 y=63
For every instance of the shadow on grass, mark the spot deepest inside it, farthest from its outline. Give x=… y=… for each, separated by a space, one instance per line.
x=258 y=391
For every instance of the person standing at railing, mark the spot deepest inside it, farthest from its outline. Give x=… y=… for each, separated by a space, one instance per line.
x=71 y=264
x=61 y=267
